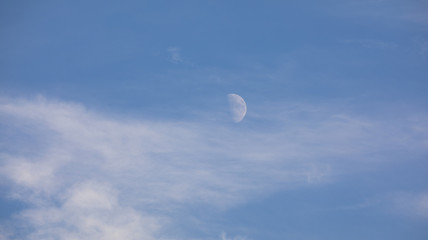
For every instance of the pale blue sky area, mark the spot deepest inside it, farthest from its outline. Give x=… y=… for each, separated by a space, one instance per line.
x=114 y=120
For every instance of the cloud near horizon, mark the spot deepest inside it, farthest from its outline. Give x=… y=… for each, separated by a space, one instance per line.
x=88 y=175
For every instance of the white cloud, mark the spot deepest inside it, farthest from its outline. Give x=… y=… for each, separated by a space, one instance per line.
x=224 y=237
x=175 y=55
x=372 y=43
x=99 y=177
x=410 y=12
x=412 y=204
x=424 y=48
x=23 y=173
x=88 y=211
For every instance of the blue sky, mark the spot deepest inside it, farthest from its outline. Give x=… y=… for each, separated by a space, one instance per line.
x=115 y=123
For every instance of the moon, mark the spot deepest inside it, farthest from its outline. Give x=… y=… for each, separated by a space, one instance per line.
x=237 y=107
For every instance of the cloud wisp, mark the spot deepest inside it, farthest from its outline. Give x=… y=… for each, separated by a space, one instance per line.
x=88 y=175
x=175 y=54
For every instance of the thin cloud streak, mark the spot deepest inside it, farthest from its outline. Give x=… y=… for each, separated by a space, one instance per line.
x=372 y=43
x=410 y=203
x=404 y=203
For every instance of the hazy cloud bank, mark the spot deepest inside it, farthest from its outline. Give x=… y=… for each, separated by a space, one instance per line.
x=88 y=175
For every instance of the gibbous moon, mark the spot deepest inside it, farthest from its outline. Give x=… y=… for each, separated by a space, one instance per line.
x=237 y=106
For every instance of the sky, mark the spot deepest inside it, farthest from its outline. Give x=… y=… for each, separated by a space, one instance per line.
x=115 y=123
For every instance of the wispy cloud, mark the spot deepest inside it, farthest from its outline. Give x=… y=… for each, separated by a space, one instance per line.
x=225 y=237
x=410 y=12
x=175 y=54
x=80 y=170
x=411 y=204
x=424 y=48
x=372 y=43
